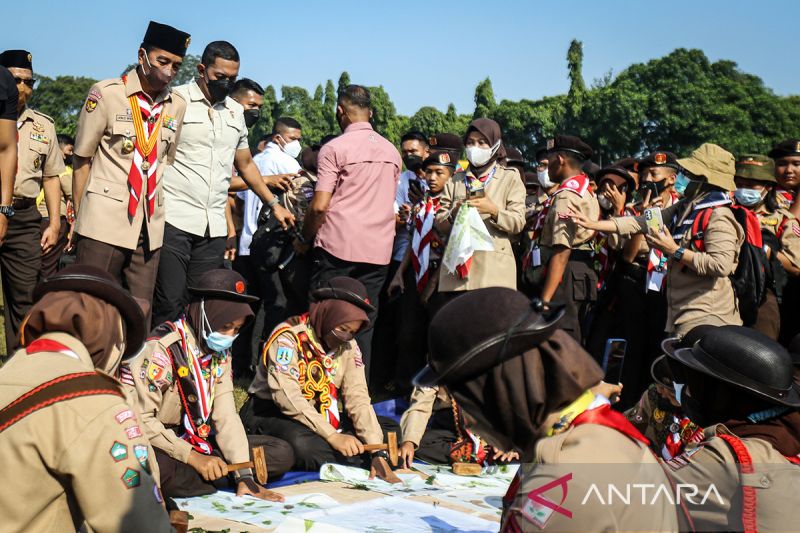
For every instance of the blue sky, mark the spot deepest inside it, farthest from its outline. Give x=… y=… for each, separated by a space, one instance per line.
x=423 y=52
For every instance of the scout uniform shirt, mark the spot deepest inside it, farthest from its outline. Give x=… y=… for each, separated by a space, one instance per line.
x=38 y=154
x=84 y=458
x=775 y=481
x=307 y=387
x=702 y=294
x=159 y=382
x=497 y=268
x=424 y=400
x=66 y=194
x=579 y=457
x=559 y=229
x=107 y=134
x=786 y=227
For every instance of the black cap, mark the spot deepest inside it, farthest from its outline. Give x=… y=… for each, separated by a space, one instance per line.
x=514 y=156
x=743 y=358
x=616 y=170
x=440 y=158
x=346 y=289
x=569 y=143
x=167 y=38
x=660 y=158
x=631 y=164
x=514 y=324
x=16 y=59
x=223 y=284
x=447 y=141
x=785 y=148
x=102 y=285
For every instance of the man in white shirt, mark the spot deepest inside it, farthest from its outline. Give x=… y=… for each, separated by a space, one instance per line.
x=279 y=158
x=213 y=141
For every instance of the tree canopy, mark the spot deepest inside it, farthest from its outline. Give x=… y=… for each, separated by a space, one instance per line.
x=675 y=102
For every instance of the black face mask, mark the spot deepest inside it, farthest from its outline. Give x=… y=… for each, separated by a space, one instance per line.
x=251 y=116
x=68 y=160
x=218 y=89
x=412 y=162
x=694 y=410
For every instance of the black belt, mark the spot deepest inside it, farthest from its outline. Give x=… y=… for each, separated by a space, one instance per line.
x=22 y=203
x=584 y=256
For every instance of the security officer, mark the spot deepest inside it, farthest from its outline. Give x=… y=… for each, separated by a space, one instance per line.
x=184 y=386
x=566 y=250
x=524 y=385
x=737 y=384
x=786 y=155
x=72 y=449
x=127 y=133
x=39 y=164
x=756 y=191
x=698 y=286
x=309 y=364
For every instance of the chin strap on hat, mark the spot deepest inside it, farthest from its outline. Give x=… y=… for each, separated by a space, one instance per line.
x=548 y=314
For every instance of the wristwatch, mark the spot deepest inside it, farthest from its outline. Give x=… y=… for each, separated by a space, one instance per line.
x=273 y=202
x=678 y=255
x=7 y=210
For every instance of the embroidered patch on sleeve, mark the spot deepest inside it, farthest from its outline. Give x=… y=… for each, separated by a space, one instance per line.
x=141 y=453
x=119 y=452
x=284 y=355
x=133 y=432
x=122 y=416
x=131 y=478
x=536 y=513
x=125 y=375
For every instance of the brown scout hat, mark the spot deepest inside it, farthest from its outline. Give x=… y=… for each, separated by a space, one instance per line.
x=714 y=163
x=614 y=171
x=102 y=285
x=222 y=284
x=344 y=288
x=440 y=158
x=756 y=167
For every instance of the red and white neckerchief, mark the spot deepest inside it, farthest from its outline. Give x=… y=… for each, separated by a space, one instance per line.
x=203 y=370
x=421 y=238
x=472 y=184
x=657 y=261
x=145 y=153
x=49 y=345
x=677 y=440
x=785 y=198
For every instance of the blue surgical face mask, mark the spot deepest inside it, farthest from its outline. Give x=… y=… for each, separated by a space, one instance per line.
x=678 y=391
x=219 y=342
x=747 y=197
x=215 y=340
x=681 y=182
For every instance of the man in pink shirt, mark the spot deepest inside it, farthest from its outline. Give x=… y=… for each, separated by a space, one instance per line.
x=351 y=217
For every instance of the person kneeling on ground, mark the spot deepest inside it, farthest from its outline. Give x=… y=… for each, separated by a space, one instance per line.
x=308 y=365
x=184 y=386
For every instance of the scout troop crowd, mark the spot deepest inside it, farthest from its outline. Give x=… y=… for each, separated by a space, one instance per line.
x=119 y=393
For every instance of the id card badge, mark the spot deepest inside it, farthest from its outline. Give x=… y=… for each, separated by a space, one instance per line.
x=655 y=280
x=536 y=257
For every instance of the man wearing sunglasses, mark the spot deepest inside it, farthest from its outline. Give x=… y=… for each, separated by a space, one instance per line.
x=39 y=164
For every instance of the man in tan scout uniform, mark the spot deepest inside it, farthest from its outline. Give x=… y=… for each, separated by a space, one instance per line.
x=127 y=133
x=309 y=364
x=566 y=249
x=39 y=163
x=51 y=258
x=184 y=386
x=737 y=384
x=72 y=449
x=699 y=290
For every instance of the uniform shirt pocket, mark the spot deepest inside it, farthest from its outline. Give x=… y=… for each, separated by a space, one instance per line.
x=167 y=140
x=123 y=139
x=109 y=189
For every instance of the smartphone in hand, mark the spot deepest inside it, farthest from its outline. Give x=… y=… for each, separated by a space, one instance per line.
x=613 y=359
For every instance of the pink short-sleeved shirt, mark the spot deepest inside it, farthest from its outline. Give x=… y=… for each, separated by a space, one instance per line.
x=361 y=169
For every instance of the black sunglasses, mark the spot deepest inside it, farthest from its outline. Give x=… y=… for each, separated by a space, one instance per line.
x=30 y=82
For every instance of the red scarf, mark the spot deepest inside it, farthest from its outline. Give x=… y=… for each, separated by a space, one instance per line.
x=147 y=126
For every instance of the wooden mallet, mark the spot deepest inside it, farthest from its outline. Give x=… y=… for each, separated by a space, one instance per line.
x=259 y=464
x=391 y=447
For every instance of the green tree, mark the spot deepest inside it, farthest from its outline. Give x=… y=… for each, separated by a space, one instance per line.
x=484 y=99
x=428 y=120
x=344 y=81
x=329 y=106
x=62 y=98
x=577 y=87
x=384 y=115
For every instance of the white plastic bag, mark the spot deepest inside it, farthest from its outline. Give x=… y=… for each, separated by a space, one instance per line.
x=469 y=235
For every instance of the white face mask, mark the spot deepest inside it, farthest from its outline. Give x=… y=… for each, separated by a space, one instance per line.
x=292 y=149
x=478 y=156
x=544 y=178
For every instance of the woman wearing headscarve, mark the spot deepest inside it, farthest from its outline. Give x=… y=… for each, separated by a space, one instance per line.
x=524 y=385
x=737 y=384
x=184 y=385
x=70 y=445
x=498 y=194
x=310 y=364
